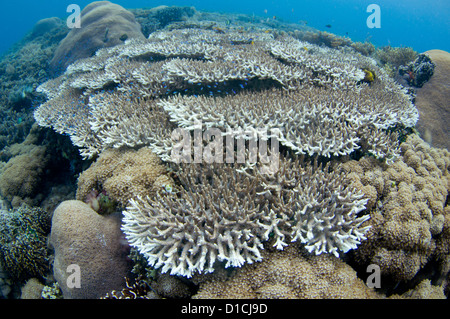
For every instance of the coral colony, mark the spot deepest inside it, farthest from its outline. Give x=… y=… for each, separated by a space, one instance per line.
x=241 y=86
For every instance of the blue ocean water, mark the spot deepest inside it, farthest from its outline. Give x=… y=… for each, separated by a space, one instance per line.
x=422 y=25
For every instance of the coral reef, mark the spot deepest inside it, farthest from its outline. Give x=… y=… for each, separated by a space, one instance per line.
x=323 y=38
x=159 y=17
x=32 y=289
x=419 y=71
x=432 y=102
x=38 y=171
x=20 y=177
x=22 y=69
x=289 y=274
x=123 y=174
x=324 y=106
x=23 y=242
x=104 y=24
x=290 y=231
x=407 y=203
x=394 y=58
x=210 y=218
x=82 y=237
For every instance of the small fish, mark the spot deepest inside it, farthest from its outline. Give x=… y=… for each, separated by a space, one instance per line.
x=105 y=39
x=265 y=11
x=328 y=25
x=274 y=17
x=303 y=22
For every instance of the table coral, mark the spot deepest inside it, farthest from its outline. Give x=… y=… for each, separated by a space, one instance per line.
x=126 y=95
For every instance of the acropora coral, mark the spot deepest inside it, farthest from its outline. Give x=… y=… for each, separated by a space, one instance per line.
x=210 y=218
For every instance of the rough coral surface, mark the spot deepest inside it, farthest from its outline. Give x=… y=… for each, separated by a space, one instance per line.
x=81 y=237
x=289 y=274
x=104 y=24
x=432 y=102
x=124 y=174
x=23 y=242
x=407 y=203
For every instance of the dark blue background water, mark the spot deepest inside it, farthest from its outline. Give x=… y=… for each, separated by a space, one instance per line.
x=420 y=24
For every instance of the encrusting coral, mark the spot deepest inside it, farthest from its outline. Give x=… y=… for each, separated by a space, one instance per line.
x=124 y=174
x=289 y=274
x=407 y=203
x=94 y=243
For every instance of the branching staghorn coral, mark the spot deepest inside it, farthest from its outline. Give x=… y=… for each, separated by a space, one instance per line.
x=221 y=213
x=127 y=94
